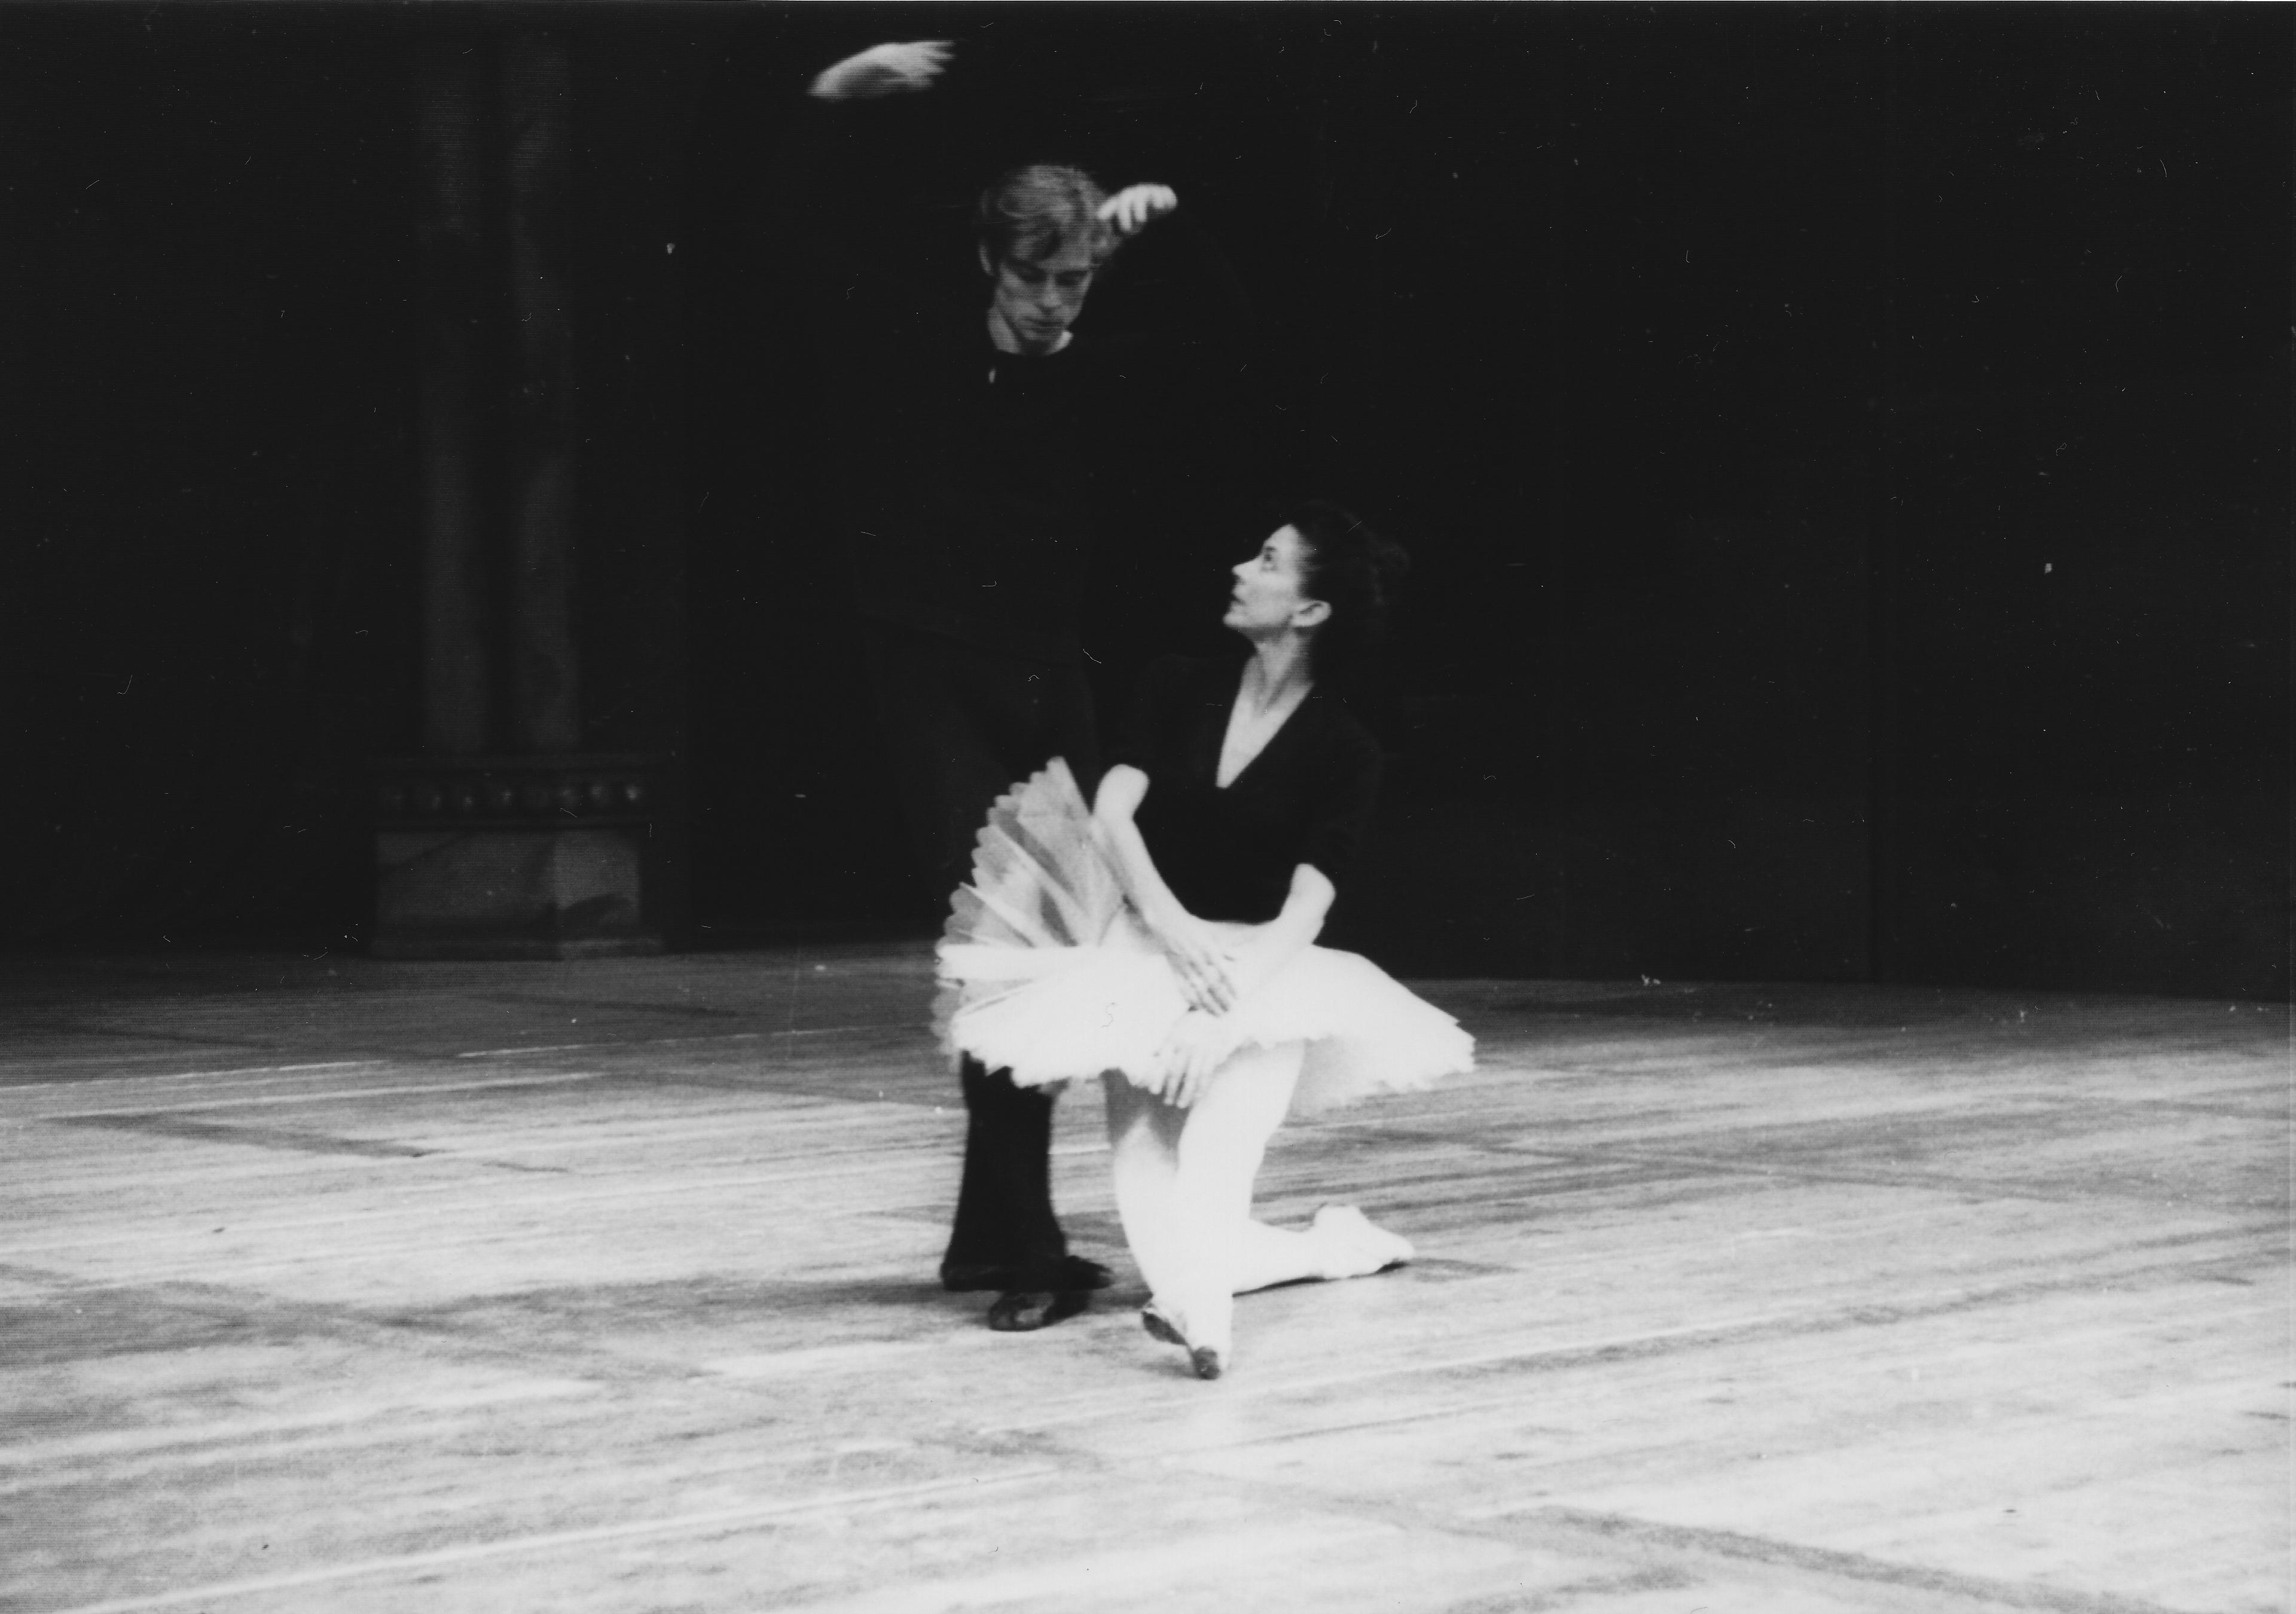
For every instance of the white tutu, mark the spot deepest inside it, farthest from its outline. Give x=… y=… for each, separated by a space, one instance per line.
x=1045 y=971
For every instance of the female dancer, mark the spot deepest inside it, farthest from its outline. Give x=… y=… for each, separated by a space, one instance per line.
x=1168 y=937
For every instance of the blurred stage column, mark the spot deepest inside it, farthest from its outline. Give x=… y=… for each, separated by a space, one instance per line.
x=450 y=228
x=537 y=137
x=526 y=848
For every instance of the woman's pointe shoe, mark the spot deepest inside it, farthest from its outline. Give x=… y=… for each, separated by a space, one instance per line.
x=1358 y=1247
x=1209 y=1361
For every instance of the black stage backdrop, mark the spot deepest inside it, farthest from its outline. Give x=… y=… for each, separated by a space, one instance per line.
x=1845 y=450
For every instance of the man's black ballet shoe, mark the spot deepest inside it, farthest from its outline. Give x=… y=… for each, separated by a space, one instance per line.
x=1023 y=1311
x=1207 y=1362
x=1068 y=1273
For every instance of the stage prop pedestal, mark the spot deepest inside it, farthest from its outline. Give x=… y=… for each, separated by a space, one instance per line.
x=513 y=856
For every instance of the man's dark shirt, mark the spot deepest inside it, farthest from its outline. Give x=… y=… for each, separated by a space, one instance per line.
x=975 y=485
x=967 y=477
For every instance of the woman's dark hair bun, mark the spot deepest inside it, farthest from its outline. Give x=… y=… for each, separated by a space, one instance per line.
x=1350 y=566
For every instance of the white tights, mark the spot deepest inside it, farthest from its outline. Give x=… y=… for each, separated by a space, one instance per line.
x=1184 y=1182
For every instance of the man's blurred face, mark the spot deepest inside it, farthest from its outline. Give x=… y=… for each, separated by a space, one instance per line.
x=1036 y=302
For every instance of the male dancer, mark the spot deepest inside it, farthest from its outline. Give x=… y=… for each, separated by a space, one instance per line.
x=971 y=425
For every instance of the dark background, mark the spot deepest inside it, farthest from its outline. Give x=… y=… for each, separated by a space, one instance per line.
x=1845 y=450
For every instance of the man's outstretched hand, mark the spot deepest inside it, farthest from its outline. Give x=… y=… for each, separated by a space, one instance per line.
x=1135 y=207
x=884 y=70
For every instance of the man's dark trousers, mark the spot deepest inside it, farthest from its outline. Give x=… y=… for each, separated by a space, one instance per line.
x=964 y=724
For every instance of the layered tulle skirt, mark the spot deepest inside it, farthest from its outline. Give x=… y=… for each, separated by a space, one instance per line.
x=1045 y=970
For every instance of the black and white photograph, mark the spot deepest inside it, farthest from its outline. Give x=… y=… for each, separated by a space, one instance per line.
x=1465 y=806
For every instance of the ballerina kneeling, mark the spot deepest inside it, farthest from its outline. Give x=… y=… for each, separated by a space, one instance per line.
x=1165 y=937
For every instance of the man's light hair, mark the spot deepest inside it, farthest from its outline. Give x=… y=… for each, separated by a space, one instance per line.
x=1032 y=212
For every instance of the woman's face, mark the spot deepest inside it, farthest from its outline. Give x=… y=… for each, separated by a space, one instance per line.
x=1269 y=595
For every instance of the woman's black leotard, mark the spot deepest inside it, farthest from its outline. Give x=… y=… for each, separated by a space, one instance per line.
x=1229 y=854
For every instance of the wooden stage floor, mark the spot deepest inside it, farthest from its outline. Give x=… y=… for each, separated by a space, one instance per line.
x=344 y=1285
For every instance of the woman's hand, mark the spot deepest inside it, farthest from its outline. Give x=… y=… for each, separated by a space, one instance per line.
x=1204 y=966
x=1135 y=207
x=884 y=70
x=1198 y=957
x=1199 y=1044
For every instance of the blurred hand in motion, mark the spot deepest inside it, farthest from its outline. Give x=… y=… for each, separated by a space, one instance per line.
x=884 y=70
x=1135 y=207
